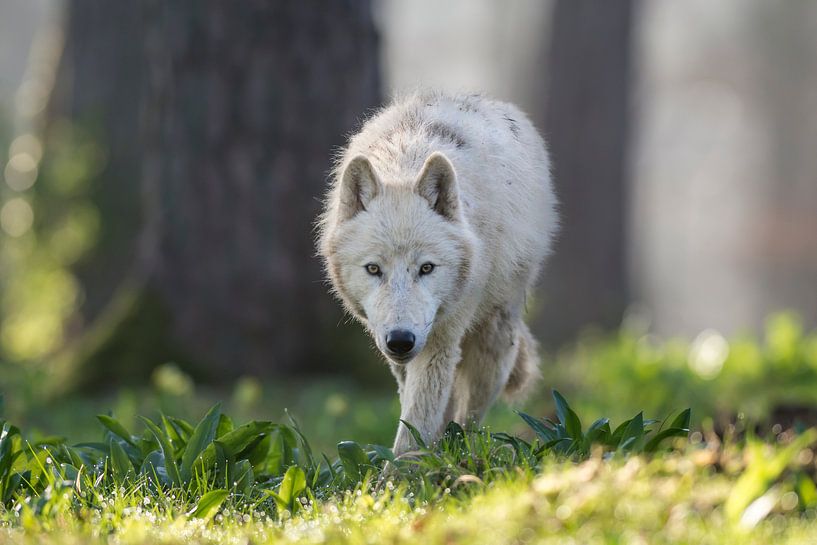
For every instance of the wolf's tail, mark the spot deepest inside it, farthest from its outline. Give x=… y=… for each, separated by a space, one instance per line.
x=525 y=371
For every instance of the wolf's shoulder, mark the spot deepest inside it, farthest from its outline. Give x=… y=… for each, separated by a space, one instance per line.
x=413 y=110
x=455 y=121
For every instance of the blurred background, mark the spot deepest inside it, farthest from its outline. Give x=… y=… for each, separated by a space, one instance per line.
x=163 y=164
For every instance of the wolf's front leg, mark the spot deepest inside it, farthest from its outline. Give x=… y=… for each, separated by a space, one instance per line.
x=425 y=395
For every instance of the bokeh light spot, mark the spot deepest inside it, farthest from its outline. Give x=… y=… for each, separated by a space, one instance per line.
x=29 y=144
x=30 y=336
x=708 y=354
x=16 y=217
x=75 y=234
x=21 y=171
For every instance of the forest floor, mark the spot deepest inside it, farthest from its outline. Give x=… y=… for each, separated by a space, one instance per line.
x=739 y=469
x=642 y=481
x=684 y=497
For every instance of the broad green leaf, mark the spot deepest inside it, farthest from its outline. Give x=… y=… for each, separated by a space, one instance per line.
x=221 y=463
x=75 y=457
x=167 y=451
x=121 y=466
x=568 y=418
x=242 y=476
x=522 y=449
x=154 y=468
x=38 y=466
x=539 y=427
x=209 y=504
x=632 y=433
x=17 y=447
x=240 y=438
x=682 y=420
x=599 y=431
x=183 y=426
x=415 y=434
x=8 y=449
x=384 y=453
x=147 y=443
x=280 y=502
x=135 y=454
x=281 y=453
x=292 y=486
x=213 y=458
x=116 y=427
x=559 y=445
x=203 y=435
x=225 y=425
x=618 y=434
x=11 y=484
x=175 y=434
x=258 y=453
x=68 y=472
x=655 y=442
x=679 y=427
x=354 y=460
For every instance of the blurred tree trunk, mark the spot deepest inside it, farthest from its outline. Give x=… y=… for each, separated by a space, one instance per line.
x=89 y=193
x=243 y=104
x=94 y=112
x=587 y=126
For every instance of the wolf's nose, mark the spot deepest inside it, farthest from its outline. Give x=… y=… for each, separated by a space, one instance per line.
x=400 y=341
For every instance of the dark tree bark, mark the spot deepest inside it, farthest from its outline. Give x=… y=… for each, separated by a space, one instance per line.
x=245 y=104
x=587 y=126
x=98 y=91
x=232 y=111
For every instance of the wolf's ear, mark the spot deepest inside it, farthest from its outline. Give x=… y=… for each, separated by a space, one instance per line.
x=358 y=186
x=437 y=184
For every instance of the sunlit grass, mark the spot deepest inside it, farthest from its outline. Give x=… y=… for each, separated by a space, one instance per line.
x=262 y=482
x=676 y=498
x=547 y=477
x=720 y=378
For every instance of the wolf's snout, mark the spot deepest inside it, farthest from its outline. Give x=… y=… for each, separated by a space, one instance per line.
x=400 y=341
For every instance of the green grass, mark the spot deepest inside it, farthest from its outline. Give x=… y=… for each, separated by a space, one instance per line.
x=671 y=499
x=543 y=475
x=720 y=379
x=613 y=376
x=261 y=482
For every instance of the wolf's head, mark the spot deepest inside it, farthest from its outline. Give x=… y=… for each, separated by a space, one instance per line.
x=398 y=253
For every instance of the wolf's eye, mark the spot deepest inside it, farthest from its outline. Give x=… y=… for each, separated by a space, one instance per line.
x=426 y=268
x=373 y=269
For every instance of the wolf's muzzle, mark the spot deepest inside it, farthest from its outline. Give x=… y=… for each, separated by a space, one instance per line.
x=400 y=342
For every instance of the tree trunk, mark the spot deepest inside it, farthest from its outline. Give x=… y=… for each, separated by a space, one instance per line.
x=239 y=107
x=244 y=106
x=587 y=125
x=94 y=112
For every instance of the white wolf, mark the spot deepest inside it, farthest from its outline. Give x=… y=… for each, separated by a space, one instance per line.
x=439 y=216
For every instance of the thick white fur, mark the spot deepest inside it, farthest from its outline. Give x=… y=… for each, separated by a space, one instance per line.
x=462 y=182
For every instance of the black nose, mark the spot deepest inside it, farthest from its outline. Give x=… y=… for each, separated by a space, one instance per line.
x=400 y=341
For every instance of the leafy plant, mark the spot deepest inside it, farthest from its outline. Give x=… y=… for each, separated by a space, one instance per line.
x=720 y=378
x=209 y=504
x=763 y=470
x=263 y=463
x=290 y=489
x=636 y=435
x=10 y=450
